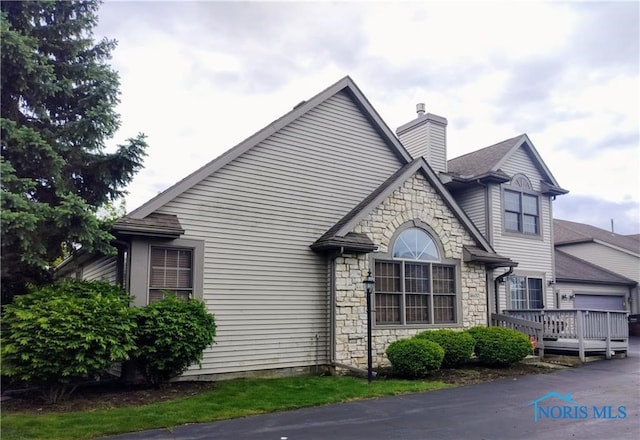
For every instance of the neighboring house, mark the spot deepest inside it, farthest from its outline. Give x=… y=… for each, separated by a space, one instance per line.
x=582 y=285
x=277 y=234
x=507 y=191
x=615 y=253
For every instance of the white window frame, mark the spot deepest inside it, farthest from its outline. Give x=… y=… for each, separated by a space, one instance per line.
x=513 y=305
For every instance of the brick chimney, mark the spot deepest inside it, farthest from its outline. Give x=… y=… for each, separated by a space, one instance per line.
x=426 y=136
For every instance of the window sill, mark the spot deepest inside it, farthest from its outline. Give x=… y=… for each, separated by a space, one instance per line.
x=515 y=234
x=415 y=326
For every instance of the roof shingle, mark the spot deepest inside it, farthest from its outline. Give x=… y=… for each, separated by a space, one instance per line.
x=573 y=269
x=481 y=162
x=566 y=232
x=154 y=224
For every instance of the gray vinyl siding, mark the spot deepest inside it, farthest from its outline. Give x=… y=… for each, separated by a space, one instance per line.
x=611 y=259
x=520 y=162
x=437 y=135
x=258 y=215
x=572 y=289
x=102 y=269
x=534 y=254
x=427 y=140
x=564 y=289
x=614 y=260
x=473 y=202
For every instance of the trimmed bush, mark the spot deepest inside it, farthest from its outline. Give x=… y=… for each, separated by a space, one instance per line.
x=500 y=346
x=171 y=335
x=414 y=357
x=458 y=345
x=61 y=334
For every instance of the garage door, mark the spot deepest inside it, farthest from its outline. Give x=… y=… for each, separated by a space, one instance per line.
x=599 y=302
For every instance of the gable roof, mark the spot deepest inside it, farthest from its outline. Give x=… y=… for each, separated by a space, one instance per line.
x=573 y=269
x=483 y=161
x=566 y=232
x=346 y=84
x=484 y=164
x=156 y=224
x=340 y=235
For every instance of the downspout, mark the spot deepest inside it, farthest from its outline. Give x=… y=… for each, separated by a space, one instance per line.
x=496 y=282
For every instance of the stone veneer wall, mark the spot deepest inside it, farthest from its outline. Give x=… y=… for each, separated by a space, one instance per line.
x=414 y=200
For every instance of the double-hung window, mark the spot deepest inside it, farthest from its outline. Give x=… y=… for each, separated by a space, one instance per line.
x=171 y=270
x=521 y=212
x=414 y=287
x=525 y=292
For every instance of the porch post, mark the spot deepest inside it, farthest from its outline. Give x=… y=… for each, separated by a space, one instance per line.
x=580 y=329
x=608 y=353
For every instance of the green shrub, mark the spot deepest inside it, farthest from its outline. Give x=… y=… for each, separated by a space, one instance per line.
x=414 y=357
x=171 y=335
x=61 y=334
x=500 y=346
x=458 y=345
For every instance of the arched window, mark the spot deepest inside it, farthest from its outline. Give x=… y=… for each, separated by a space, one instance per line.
x=415 y=244
x=414 y=285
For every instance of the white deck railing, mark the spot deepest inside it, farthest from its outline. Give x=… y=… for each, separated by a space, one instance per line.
x=599 y=325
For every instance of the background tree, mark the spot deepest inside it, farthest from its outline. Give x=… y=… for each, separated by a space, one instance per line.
x=58 y=101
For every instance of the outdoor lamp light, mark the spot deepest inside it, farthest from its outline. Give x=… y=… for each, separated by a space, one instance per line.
x=369 y=282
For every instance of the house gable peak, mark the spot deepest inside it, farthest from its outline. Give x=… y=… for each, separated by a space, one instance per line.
x=567 y=232
x=345 y=84
x=338 y=236
x=485 y=164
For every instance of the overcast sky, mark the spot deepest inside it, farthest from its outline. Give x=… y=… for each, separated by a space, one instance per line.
x=200 y=77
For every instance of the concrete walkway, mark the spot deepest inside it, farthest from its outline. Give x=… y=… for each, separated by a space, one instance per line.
x=605 y=405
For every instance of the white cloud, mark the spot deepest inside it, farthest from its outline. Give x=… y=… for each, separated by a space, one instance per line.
x=200 y=77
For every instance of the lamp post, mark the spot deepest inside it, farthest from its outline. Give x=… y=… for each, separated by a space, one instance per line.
x=369 y=282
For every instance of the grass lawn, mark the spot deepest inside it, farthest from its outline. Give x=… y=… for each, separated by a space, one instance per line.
x=228 y=399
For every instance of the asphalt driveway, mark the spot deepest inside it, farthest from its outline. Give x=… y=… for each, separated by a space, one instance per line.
x=599 y=400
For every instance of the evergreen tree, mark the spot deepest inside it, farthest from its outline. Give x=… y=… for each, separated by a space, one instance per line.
x=58 y=102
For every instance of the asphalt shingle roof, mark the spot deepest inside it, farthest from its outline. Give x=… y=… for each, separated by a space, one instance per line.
x=156 y=223
x=566 y=232
x=570 y=268
x=481 y=162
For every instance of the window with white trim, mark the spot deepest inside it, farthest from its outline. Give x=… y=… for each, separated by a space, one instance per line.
x=521 y=208
x=171 y=270
x=526 y=292
x=413 y=286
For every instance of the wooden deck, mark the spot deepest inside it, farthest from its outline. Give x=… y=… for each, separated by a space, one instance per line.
x=589 y=346
x=574 y=331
